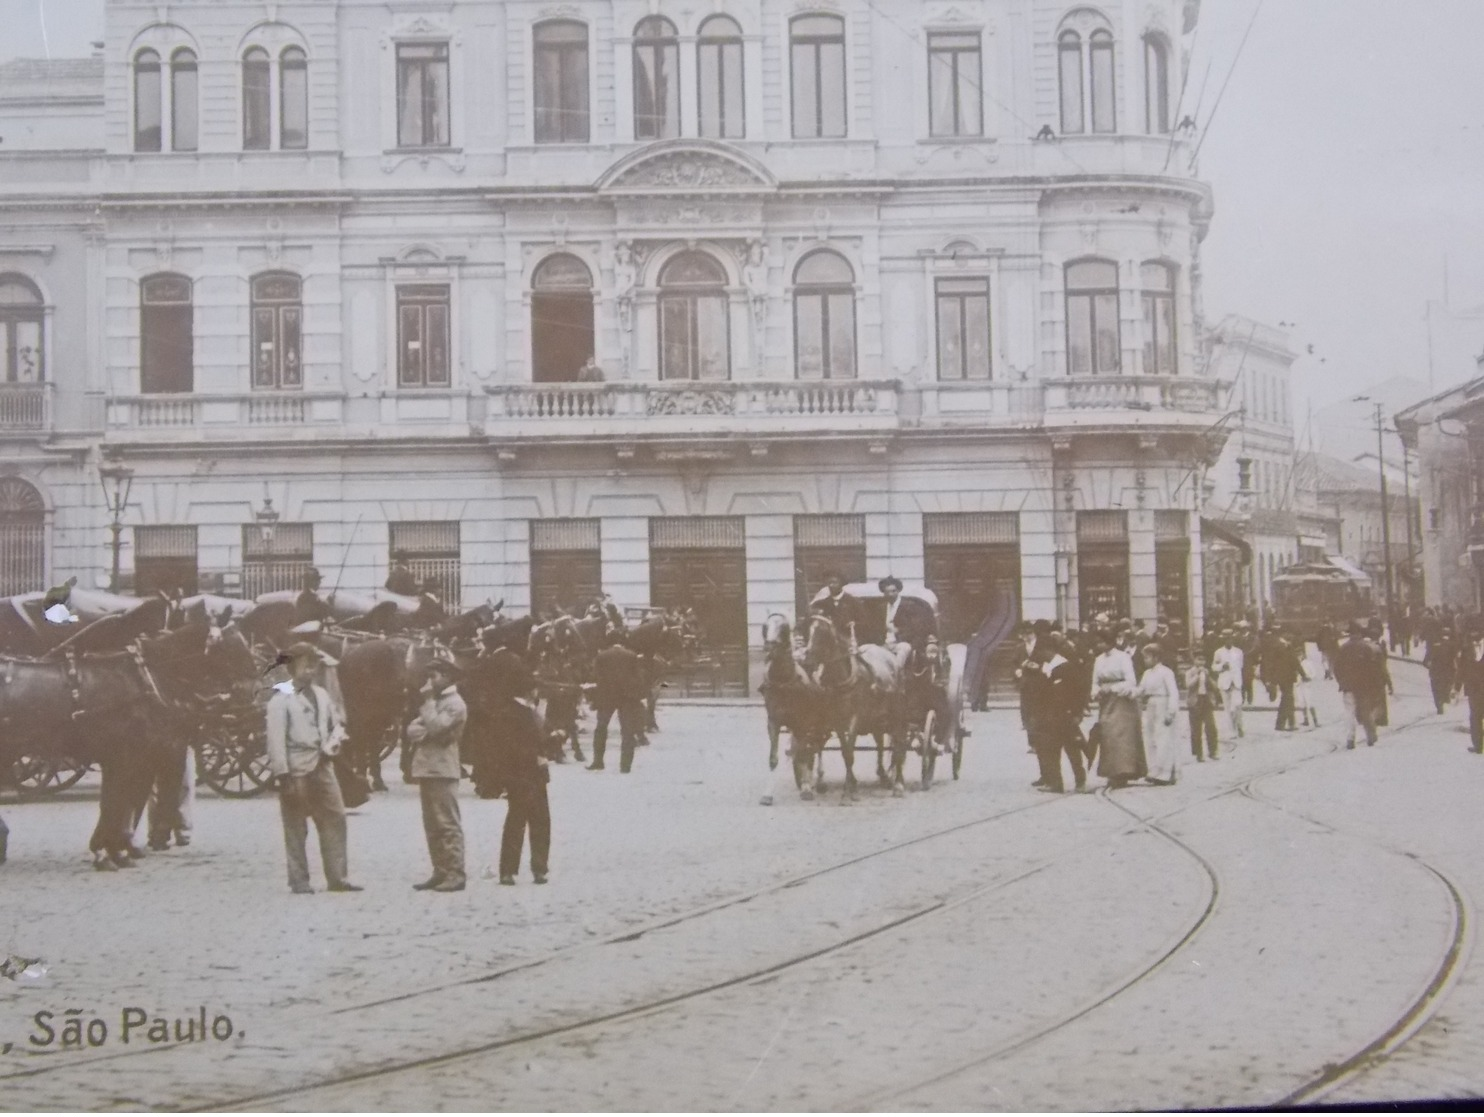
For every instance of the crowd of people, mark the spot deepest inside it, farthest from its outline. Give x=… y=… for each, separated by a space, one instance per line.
x=1134 y=681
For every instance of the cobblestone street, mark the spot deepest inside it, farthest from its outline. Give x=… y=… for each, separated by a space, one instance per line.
x=1289 y=923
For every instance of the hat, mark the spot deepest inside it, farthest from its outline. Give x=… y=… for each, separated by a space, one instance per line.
x=303 y=650
x=889 y=580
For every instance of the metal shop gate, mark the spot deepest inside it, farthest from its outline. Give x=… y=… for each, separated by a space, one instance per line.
x=971 y=560
x=566 y=565
x=1102 y=564
x=700 y=563
x=277 y=563
x=165 y=560
x=22 y=538
x=825 y=545
x=1172 y=568
x=430 y=550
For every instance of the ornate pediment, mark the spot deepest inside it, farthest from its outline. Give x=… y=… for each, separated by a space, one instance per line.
x=687 y=167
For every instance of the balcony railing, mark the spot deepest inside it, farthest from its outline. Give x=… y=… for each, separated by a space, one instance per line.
x=170 y=417
x=690 y=407
x=1133 y=393
x=25 y=407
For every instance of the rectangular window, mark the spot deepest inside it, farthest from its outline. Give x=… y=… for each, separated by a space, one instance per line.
x=1159 y=334
x=422 y=95
x=954 y=66
x=166 y=345
x=184 y=109
x=430 y=551
x=1102 y=564
x=825 y=545
x=817 y=65
x=1069 y=63
x=566 y=565
x=1104 y=118
x=280 y=563
x=561 y=91
x=294 y=111
x=963 y=329
x=656 y=90
x=423 y=335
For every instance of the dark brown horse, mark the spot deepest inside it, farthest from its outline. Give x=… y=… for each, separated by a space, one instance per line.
x=863 y=689
x=794 y=702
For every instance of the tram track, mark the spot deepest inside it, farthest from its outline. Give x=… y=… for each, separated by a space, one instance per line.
x=1331 y=1077
x=918 y=915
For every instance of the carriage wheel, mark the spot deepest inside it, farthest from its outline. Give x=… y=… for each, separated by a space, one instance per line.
x=235 y=766
x=38 y=776
x=929 y=748
x=958 y=752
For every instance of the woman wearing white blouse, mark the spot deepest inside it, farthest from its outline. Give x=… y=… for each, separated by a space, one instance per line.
x=1159 y=696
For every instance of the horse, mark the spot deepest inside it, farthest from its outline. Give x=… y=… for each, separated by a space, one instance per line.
x=659 y=642
x=794 y=702
x=558 y=681
x=863 y=687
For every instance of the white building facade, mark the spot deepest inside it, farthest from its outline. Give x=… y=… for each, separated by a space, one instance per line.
x=349 y=258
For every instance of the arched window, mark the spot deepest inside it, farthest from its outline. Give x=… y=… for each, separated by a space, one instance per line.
x=184 y=102
x=277 y=331
x=1156 y=85
x=166 y=343
x=1100 y=65
x=719 y=74
x=824 y=317
x=21 y=317
x=817 y=63
x=257 y=100
x=561 y=319
x=293 y=99
x=561 y=82
x=1158 y=283
x=656 y=80
x=1093 y=339
x=695 y=333
x=22 y=537
x=1069 y=70
x=147 y=101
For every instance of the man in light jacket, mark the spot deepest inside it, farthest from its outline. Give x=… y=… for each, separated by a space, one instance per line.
x=303 y=735
x=1230 y=667
x=434 y=735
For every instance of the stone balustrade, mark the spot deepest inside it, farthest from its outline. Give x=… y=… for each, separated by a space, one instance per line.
x=25 y=407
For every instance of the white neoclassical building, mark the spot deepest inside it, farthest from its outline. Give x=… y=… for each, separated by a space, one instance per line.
x=887 y=287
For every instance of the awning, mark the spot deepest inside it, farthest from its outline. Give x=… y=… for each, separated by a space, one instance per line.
x=1345 y=566
x=1214 y=530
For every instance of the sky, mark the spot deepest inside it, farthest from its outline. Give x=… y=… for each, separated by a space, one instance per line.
x=1345 y=151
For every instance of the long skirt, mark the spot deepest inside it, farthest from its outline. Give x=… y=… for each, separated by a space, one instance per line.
x=1121 y=745
x=1160 y=745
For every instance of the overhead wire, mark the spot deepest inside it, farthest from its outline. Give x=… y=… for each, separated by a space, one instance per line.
x=1221 y=94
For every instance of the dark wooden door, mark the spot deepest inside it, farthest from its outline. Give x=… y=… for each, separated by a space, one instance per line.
x=167 y=575
x=1102 y=580
x=561 y=336
x=814 y=565
x=968 y=577
x=565 y=580
x=1170 y=574
x=714 y=584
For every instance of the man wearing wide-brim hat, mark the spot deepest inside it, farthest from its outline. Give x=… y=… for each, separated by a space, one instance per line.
x=304 y=734
x=434 y=736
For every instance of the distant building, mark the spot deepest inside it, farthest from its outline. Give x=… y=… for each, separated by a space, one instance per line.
x=1349 y=495
x=1446 y=434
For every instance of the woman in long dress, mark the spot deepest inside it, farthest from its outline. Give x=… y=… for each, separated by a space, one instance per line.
x=1120 y=749
x=1159 y=695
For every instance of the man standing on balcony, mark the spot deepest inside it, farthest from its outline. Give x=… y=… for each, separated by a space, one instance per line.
x=591 y=372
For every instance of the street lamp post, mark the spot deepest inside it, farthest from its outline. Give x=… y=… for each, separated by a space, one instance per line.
x=1063 y=582
x=117 y=481
x=267 y=518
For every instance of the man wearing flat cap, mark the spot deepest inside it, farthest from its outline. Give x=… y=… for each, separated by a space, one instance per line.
x=304 y=734
x=434 y=736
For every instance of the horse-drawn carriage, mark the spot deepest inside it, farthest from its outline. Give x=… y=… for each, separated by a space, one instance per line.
x=908 y=692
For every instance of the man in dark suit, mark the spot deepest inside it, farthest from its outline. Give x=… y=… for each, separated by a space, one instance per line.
x=1471 y=682
x=621 y=686
x=1359 y=678
x=909 y=620
x=842 y=609
x=1441 y=662
x=1058 y=706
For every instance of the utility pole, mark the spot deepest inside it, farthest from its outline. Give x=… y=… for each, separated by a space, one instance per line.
x=1385 y=509
x=1407 y=512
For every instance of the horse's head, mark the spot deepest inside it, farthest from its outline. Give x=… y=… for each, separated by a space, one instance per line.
x=776 y=631
x=823 y=643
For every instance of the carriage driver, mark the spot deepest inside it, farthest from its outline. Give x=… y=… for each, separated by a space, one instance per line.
x=909 y=620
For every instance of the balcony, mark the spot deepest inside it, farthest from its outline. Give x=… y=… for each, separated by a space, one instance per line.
x=240 y=417
x=1103 y=402
x=25 y=408
x=690 y=410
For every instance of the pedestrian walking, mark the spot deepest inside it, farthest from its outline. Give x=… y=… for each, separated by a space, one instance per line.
x=1201 y=695
x=621 y=682
x=521 y=771
x=1309 y=669
x=1120 y=746
x=1471 y=682
x=1229 y=666
x=1281 y=670
x=1358 y=678
x=1058 y=704
x=1442 y=663
x=1159 y=700
x=434 y=737
x=304 y=733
